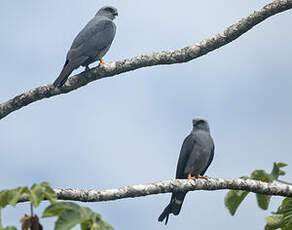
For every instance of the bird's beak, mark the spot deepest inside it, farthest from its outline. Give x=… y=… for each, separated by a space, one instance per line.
x=116 y=14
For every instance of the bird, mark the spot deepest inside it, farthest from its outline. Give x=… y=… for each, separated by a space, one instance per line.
x=196 y=155
x=91 y=44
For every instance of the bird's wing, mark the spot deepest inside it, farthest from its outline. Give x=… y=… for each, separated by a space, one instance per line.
x=96 y=35
x=210 y=158
x=185 y=152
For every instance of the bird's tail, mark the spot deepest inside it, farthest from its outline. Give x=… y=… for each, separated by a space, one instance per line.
x=66 y=71
x=173 y=207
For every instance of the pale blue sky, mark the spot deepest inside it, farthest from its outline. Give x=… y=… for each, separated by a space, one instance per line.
x=129 y=129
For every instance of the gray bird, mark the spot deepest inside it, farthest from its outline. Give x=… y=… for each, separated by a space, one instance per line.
x=91 y=44
x=196 y=155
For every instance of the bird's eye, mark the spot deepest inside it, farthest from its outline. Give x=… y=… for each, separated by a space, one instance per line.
x=199 y=122
x=108 y=9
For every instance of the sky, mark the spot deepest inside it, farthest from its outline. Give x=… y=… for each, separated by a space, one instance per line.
x=129 y=129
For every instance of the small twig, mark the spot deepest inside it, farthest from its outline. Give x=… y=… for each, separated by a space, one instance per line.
x=1 y=226
x=31 y=209
x=284 y=182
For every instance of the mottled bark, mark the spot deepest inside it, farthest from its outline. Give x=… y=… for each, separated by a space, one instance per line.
x=171 y=186
x=156 y=58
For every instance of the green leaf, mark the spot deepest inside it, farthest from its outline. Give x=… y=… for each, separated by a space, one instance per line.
x=276 y=171
x=287 y=227
x=11 y=196
x=4 y=198
x=40 y=191
x=70 y=214
x=68 y=219
x=57 y=208
x=49 y=193
x=96 y=223
x=233 y=199
x=281 y=165
x=89 y=224
x=244 y=177
x=15 y=194
x=9 y=228
x=285 y=202
x=36 y=194
x=104 y=226
x=261 y=175
x=288 y=215
x=274 y=222
x=263 y=201
x=286 y=206
x=282 y=173
x=285 y=210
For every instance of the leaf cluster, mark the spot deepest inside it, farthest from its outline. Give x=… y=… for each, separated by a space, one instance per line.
x=69 y=214
x=234 y=198
x=36 y=194
x=282 y=219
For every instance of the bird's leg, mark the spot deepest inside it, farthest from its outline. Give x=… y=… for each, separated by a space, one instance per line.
x=202 y=177
x=190 y=177
x=101 y=62
x=87 y=68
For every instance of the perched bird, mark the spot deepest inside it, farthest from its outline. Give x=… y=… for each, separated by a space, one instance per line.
x=196 y=155
x=91 y=44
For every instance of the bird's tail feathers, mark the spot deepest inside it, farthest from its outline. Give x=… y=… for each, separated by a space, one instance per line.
x=173 y=207
x=66 y=71
x=165 y=214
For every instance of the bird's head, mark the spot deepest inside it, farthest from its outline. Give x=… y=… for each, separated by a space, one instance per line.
x=108 y=11
x=200 y=123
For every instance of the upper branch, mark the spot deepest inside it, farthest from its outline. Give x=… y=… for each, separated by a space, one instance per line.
x=172 y=186
x=156 y=58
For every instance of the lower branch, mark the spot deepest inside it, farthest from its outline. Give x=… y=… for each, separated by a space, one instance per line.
x=172 y=186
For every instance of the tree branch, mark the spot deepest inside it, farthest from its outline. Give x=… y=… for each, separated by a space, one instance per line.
x=156 y=58
x=172 y=186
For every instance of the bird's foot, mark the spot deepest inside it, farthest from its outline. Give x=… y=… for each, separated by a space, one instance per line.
x=87 y=68
x=202 y=177
x=101 y=62
x=190 y=177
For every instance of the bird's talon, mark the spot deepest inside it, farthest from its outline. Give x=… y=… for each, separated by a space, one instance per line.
x=190 y=177
x=203 y=177
x=101 y=62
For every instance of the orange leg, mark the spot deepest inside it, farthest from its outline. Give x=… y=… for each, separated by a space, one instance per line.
x=101 y=62
x=190 y=177
x=202 y=177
